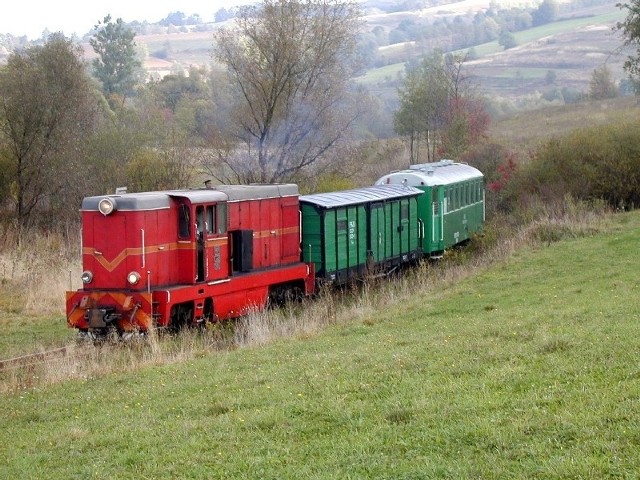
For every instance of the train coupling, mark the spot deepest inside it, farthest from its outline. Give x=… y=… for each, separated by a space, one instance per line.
x=101 y=317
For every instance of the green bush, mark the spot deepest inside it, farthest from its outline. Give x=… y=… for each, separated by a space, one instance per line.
x=588 y=164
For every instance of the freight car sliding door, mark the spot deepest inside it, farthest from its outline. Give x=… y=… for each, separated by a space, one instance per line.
x=404 y=229
x=377 y=237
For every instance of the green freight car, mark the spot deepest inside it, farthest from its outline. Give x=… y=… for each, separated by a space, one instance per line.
x=452 y=208
x=352 y=233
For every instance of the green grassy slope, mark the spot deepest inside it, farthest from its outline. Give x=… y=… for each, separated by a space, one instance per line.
x=526 y=370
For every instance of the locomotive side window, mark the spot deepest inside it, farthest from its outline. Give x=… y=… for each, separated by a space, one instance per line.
x=184 y=225
x=200 y=221
x=221 y=217
x=210 y=220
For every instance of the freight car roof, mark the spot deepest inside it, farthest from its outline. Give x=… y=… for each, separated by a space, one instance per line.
x=360 y=195
x=443 y=172
x=220 y=193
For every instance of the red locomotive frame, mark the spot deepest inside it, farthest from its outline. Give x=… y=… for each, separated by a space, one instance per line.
x=185 y=257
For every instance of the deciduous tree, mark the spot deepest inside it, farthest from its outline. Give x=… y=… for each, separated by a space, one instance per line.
x=507 y=40
x=424 y=99
x=602 y=84
x=290 y=62
x=438 y=108
x=630 y=29
x=546 y=12
x=47 y=108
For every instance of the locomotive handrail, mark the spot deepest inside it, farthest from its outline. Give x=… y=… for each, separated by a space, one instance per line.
x=143 y=249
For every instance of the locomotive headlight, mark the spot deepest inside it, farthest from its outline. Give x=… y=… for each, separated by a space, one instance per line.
x=86 y=276
x=133 y=278
x=106 y=206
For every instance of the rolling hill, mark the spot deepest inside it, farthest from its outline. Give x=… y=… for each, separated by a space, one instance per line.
x=570 y=48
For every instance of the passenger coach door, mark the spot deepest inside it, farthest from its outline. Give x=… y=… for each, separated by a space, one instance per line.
x=405 y=230
x=437 y=213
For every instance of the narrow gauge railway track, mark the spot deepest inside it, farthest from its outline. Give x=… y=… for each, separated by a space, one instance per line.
x=33 y=359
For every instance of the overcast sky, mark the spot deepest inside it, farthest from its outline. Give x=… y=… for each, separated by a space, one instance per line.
x=32 y=17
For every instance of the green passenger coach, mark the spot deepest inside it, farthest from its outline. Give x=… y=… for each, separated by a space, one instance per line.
x=452 y=208
x=351 y=233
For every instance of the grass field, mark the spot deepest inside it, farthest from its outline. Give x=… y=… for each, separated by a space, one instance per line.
x=526 y=368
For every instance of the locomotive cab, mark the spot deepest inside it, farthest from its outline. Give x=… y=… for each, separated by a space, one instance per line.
x=202 y=238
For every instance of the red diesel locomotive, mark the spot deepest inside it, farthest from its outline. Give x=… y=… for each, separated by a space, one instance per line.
x=185 y=257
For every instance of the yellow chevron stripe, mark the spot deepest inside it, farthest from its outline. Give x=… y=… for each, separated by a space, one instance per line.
x=111 y=265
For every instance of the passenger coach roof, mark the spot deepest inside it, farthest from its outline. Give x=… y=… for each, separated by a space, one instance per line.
x=443 y=172
x=220 y=193
x=360 y=195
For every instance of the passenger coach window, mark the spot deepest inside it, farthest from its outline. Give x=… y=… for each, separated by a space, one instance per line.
x=184 y=230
